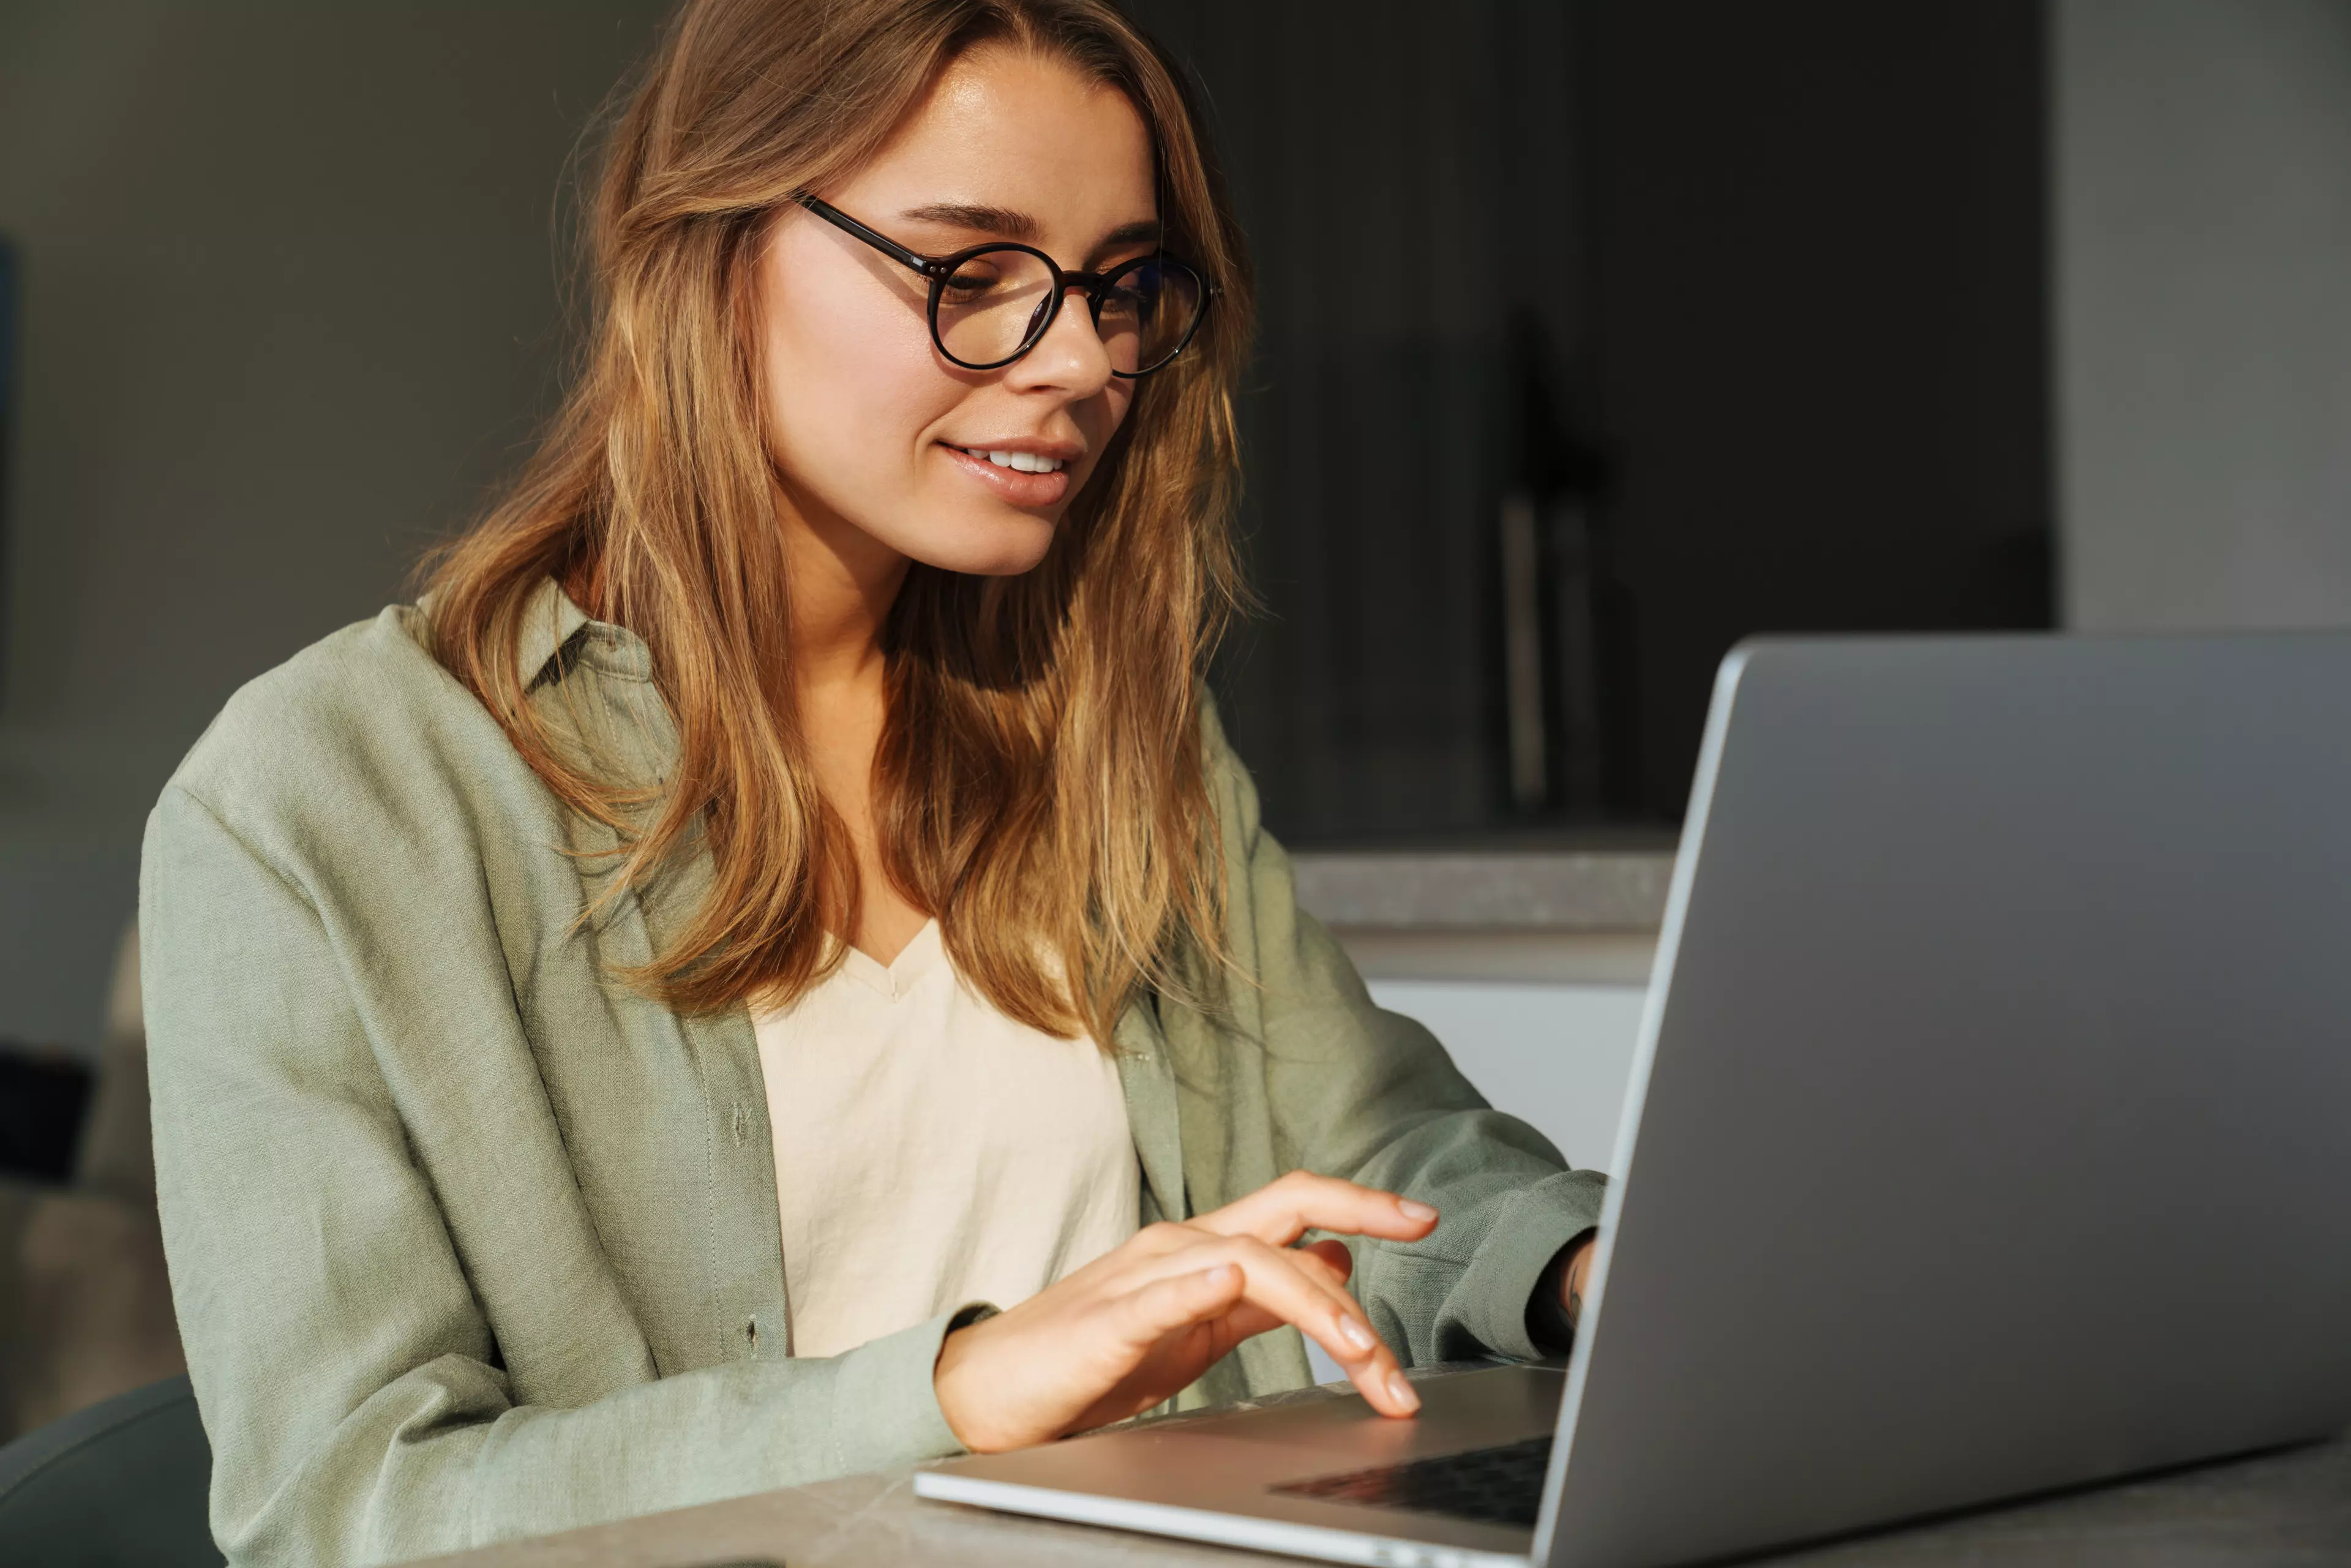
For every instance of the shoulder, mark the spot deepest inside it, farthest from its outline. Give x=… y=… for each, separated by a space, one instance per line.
x=362 y=726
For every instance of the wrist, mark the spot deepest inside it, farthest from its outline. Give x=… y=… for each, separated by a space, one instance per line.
x=949 y=1384
x=1558 y=1299
x=1579 y=1269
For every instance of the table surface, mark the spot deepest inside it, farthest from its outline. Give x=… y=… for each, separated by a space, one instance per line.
x=2288 y=1508
x=1620 y=888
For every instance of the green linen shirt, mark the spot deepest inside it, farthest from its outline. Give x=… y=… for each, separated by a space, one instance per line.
x=469 y=1242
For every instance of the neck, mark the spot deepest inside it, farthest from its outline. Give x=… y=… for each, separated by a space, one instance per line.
x=843 y=583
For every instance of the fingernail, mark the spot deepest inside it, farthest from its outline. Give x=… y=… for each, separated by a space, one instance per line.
x=1356 y=1334
x=1401 y=1392
x=1412 y=1208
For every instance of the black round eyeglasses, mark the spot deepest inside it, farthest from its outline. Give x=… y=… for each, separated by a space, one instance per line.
x=991 y=304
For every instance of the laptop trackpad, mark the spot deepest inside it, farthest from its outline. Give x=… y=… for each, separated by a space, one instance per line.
x=1458 y=1410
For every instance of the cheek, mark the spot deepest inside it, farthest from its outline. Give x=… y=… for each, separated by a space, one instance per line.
x=1102 y=418
x=850 y=386
x=1117 y=399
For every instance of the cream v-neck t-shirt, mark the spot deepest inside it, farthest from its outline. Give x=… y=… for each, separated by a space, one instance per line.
x=931 y=1150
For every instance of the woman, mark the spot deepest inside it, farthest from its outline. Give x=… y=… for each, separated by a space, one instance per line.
x=621 y=1028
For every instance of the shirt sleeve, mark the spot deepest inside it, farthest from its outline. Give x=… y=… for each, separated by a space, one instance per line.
x=350 y=1384
x=1358 y=1092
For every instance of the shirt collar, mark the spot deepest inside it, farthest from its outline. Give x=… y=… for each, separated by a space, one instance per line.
x=549 y=620
x=557 y=634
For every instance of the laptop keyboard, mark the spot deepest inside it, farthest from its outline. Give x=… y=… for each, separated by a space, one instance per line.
x=1498 y=1486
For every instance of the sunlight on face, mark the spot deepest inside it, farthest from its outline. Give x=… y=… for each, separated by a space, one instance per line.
x=875 y=434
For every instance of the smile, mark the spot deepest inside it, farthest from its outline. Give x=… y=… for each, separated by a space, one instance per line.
x=1019 y=462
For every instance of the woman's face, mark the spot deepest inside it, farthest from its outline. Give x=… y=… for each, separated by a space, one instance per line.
x=875 y=434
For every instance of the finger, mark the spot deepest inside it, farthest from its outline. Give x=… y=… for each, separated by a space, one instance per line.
x=1301 y=1287
x=1148 y=1249
x=1143 y=1256
x=1318 y=1268
x=1330 y=1255
x=1181 y=1299
x=1247 y=1319
x=1321 y=1311
x=1281 y=1211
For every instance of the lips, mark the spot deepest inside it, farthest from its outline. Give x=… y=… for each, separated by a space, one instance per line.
x=1024 y=476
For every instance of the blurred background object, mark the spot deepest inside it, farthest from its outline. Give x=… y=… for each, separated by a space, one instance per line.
x=1597 y=334
x=85 y=1305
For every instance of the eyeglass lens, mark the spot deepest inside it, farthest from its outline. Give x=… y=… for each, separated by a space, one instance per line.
x=995 y=303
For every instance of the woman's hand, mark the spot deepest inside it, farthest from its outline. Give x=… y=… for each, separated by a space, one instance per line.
x=1139 y=1323
x=1571 y=1281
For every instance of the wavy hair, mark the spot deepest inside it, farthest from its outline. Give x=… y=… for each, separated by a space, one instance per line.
x=1039 y=786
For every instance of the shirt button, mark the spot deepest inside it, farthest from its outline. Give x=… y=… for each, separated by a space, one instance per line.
x=742 y=1123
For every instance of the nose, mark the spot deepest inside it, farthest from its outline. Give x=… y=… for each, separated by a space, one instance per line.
x=1069 y=357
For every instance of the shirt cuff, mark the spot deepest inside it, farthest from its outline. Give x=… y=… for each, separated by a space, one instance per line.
x=887 y=1400
x=1509 y=1264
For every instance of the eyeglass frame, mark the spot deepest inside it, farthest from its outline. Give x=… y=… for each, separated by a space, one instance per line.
x=939 y=270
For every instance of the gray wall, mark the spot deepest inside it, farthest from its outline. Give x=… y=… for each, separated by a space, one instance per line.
x=289 y=304
x=2203 y=308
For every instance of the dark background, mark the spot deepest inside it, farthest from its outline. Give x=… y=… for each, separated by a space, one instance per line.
x=1754 y=298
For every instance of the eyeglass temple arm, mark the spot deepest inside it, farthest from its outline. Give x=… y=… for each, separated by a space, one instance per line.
x=881 y=242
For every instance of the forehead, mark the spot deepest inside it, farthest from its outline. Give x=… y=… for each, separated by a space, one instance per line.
x=1011 y=128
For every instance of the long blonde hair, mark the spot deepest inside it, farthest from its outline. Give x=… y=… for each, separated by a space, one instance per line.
x=1038 y=784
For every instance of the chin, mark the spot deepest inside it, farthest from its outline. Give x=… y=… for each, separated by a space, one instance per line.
x=995 y=546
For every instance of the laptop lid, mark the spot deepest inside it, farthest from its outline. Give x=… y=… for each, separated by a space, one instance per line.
x=1991 y=1125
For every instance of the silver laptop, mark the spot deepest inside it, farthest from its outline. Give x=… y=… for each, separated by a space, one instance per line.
x=1989 y=1133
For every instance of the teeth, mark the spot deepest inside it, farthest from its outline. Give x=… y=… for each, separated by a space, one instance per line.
x=1019 y=462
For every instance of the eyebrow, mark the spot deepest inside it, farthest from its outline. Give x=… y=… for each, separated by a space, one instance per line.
x=1018 y=225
